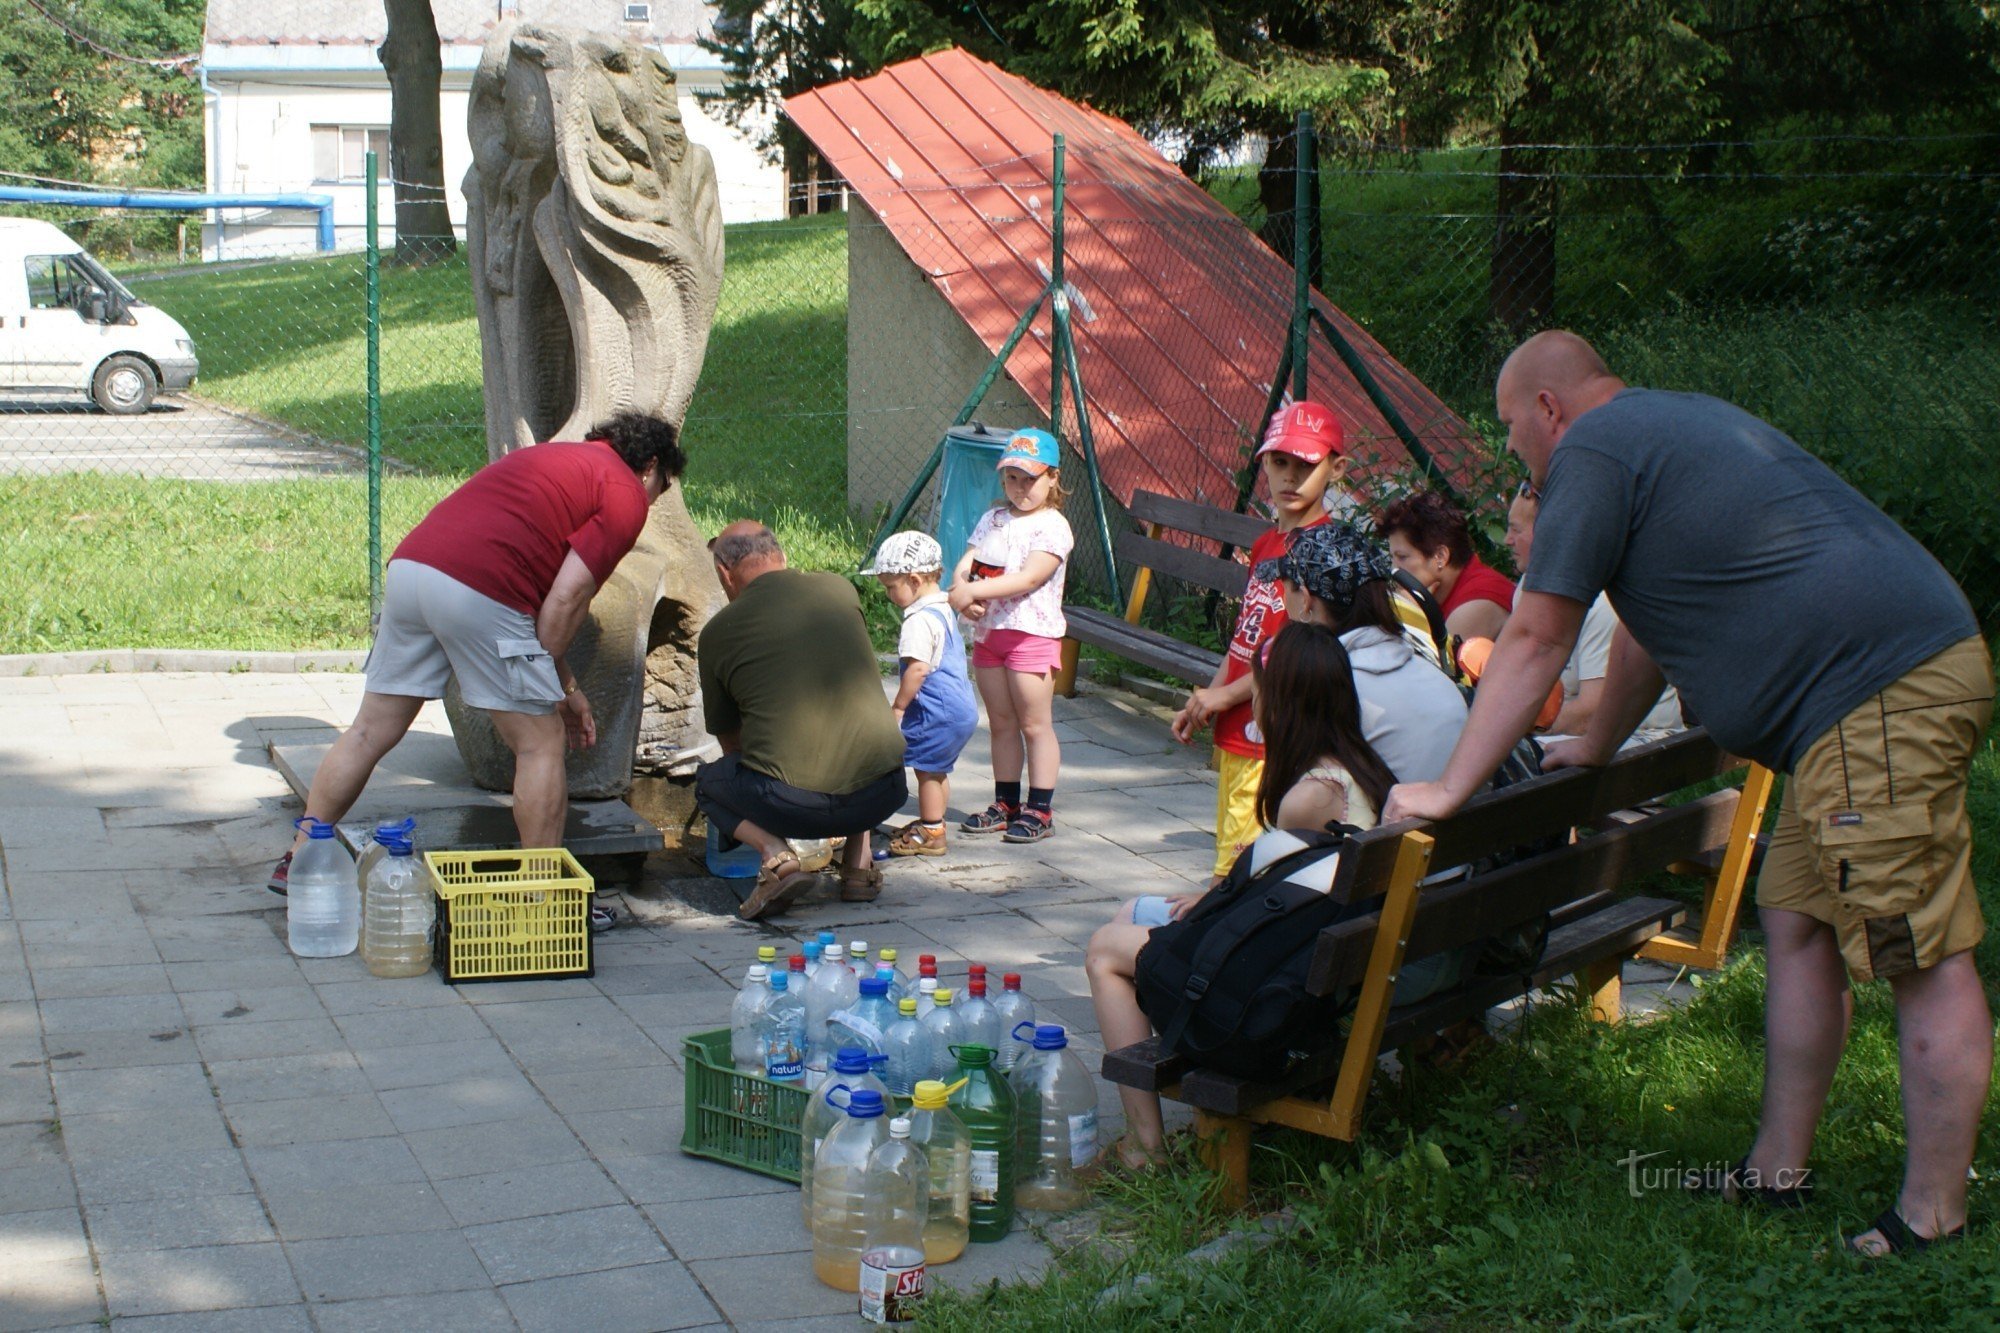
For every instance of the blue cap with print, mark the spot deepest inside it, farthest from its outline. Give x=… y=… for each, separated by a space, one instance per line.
x=1031 y=450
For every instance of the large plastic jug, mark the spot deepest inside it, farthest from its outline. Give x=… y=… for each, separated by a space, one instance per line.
x=323 y=898
x=907 y=1043
x=865 y=1023
x=892 y=1256
x=854 y=1069
x=840 y=1187
x=377 y=848
x=1014 y=1009
x=399 y=908
x=948 y=1149
x=746 y=1017
x=1056 y=1102
x=985 y=1104
x=739 y=862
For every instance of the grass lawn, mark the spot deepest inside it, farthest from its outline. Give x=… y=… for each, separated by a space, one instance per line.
x=1499 y=1195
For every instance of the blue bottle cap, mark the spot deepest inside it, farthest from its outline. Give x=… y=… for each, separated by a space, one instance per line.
x=396 y=844
x=874 y=985
x=780 y=980
x=850 y=1060
x=1050 y=1037
x=315 y=829
x=864 y=1103
x=826 y=937
x=812 y=949
x=401 y=828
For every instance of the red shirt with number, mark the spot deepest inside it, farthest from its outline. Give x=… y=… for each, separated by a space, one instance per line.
x=1261 y=616
x=509 y=528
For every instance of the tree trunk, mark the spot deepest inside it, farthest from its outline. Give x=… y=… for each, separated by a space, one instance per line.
x=410 y=55
x=1521 y=285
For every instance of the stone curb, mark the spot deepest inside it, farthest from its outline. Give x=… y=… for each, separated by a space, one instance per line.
x=119 y=660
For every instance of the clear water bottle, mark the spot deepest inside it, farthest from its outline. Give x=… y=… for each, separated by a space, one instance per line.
x=739 y=862
x=398 y=910
x=1014 y=1009
x=892 y=1256
x=1057 y=1102
x=865 y=1022
x=899 y=981
x=853 y=1069
x=985 y=1103
x=812 y=950
x=978 y=1020
x=323 y=899
x=377 y=848
x=840 y=1187
x=945 y=1032
x=746 y=1013
x=781 y=1031
x=926 y=995
x=767 y=958
x=907 y=1043
x=813 y=853
x=835 y=987
x=857 y=958
x=948 y=1148
x=796 y=966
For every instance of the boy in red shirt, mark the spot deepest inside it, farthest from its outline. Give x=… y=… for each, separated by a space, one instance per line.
x=1301 y=457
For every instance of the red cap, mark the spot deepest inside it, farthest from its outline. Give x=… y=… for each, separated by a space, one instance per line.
x=797 y=962
x=976 y=985
x=1011 y=981
x=1305 y=430
x=926 y=966
x=975 y=969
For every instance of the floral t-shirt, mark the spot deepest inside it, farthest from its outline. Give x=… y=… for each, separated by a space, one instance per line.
x=1001 y=543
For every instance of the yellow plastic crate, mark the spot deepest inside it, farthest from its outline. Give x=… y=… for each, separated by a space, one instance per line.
x=511 y=915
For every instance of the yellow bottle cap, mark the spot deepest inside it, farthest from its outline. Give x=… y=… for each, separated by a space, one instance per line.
x=767 y=953
x=932 y=1094
x=942 y=996
x=906 y=1006
x=888 y=955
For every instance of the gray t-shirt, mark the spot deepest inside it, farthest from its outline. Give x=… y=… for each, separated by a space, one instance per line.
x=1770 y=592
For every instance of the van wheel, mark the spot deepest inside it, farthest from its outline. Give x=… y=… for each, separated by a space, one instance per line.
x=124 y=385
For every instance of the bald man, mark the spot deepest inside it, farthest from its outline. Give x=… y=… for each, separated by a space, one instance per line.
x=1810 y=633
x=793 y=692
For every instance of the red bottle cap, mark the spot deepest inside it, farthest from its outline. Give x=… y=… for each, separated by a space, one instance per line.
x=1011 y=981
x=797 y=962
x=927 y=966
x=977 y=986
x=976 y=970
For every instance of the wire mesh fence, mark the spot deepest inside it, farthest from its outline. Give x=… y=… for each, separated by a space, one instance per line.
x=1844 y=289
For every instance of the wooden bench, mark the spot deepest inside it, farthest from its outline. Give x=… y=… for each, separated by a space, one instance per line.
x=1149 y=553
x=1594 y=927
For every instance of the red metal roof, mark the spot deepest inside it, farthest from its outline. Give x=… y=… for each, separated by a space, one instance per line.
x=1180 y=311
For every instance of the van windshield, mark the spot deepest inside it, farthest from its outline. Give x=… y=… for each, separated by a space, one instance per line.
x=102 y=277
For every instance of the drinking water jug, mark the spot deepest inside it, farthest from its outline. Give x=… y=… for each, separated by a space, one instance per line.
x=945 y=1032
x=1056 y=1101
x=985 y=1104
x=781 y=1031
x=739 y=862
x=399 y=908
x=377 y=848
x=948 y=1148
x=854 y=1070
x=323 y=899
x=840 y=1187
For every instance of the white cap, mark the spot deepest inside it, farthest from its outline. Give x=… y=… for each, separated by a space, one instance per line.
x=858 y=948
x=908 y=553
x=759 y=972
x=899 y=1128
x=927 y=985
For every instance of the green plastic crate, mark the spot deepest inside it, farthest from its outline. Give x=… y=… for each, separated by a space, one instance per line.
x=742 y=1119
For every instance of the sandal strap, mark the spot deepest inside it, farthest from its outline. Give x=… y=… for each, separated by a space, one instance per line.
x=1902 y=1239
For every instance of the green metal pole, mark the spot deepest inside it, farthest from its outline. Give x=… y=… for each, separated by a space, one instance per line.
x=1089 y=443
x=1061 y=306
x=1062 y=358
x=1301 y=254
x=374 y=284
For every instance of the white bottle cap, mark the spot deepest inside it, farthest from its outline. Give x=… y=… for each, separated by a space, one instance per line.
x=859 y=948
x=758 y=972
x=899 y=1128
x=928 y=985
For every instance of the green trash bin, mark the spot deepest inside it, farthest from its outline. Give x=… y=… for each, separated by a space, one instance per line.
x=968 y=485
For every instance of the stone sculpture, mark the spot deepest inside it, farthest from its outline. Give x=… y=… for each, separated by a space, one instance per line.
x=595 y=241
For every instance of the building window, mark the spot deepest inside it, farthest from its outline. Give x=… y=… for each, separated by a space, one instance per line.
x=340 y=152
x=638 y=13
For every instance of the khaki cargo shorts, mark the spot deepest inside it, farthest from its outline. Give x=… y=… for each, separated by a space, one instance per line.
x=433 y=628
x=1872 y=834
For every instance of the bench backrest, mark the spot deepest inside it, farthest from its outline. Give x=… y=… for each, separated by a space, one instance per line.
x=1228 y=577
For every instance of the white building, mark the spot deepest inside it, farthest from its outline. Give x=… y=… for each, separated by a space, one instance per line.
x=294 y=96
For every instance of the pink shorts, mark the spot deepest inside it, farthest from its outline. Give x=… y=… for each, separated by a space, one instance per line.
x=1018 y=650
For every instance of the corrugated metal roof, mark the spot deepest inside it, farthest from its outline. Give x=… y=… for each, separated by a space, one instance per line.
x=1181 y=312
x=459 y=22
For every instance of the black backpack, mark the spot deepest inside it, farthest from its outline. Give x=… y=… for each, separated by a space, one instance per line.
x=1226 y=984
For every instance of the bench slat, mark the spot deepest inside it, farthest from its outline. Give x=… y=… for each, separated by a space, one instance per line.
x=1500 y=820
x=1207 y=571
x=1146 y=647
x=1216 y=524
x=1452 y=915
x=1147 y=1065
x=1612 y=932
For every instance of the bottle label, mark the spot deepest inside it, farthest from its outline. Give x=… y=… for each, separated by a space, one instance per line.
x=871 y=1036
x=985 y=1175
x=891 y=1290
x=1083 y=1139
x=783 y=1061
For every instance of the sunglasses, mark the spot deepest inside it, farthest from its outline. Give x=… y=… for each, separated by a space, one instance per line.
x=1528 y=491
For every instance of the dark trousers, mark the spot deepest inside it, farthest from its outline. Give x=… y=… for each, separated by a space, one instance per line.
x=729 y=793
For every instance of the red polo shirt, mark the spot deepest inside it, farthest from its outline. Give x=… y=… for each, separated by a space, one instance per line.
x=1479 y=582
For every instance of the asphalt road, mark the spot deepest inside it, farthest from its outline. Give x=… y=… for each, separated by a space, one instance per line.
x=180 y=437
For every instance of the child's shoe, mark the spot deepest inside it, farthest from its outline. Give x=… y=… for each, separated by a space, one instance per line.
x=914 y=839
x=1029 y=826
x=992 y=819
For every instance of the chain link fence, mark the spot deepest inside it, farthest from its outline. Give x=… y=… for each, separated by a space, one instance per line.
x=1843 y=288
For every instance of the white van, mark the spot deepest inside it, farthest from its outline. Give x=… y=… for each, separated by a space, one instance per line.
x=67 y=325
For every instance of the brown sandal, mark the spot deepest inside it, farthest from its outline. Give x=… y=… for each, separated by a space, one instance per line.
x=776 y=889
x=913 y=840
x=860 y=886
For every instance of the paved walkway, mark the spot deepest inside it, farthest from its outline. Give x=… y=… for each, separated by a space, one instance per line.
x=180 y=437
x=199 y=1131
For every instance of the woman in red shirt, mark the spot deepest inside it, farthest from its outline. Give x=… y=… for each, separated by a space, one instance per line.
x=1428 y=539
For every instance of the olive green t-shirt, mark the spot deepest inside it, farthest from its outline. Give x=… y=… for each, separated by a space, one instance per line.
x=789 y=664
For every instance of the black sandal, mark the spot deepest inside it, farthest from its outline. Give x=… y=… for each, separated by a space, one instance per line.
x=1896 y=1233
x=1764 y=1196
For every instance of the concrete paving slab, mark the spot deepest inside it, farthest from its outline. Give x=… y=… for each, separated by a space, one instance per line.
x=71 y=983
x=256 y=1319
x=312 y=1212
x=216 y=1277
x=647 y=1297
x=179 y=1222
x=36 y=1187
x=51 y=1295
x=449 y=1312
x=279 y=1078
x=559 y=1244
x=320 y=1119
x=724 y=1228
x=770 y=1286
x=528 y=1191
x=405 y=1264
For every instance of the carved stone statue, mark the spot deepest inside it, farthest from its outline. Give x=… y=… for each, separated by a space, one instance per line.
x=595 y=241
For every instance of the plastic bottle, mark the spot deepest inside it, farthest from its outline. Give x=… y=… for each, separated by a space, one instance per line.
x=978 y=1020
x=852 y=1070
x=781 y=1030
x=948 y=1149
x=985 y=1104
x=377 y=848
x=746 y=1014
x=796 y=965
x=865 y=1022
x=739 y=862
x=945 y=1032
x=907 y=1043
x=899 y=980
x=926 y=995
x=323 y=902
x=857 y=958
x=1015 y=1009
x=767 y=958
x=398 y=911
x=1057 y=1106
x=835 y=988
x=812 y=949
x=813 y=853
x=892 y=1258
x=840 y=1187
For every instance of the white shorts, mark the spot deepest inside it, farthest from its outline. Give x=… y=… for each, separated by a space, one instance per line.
x=433 y=628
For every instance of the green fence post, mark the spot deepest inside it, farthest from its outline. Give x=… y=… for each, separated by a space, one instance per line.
x=1303 y=182
x=1062 y=358
x=1061 y=303
x=373 y=268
